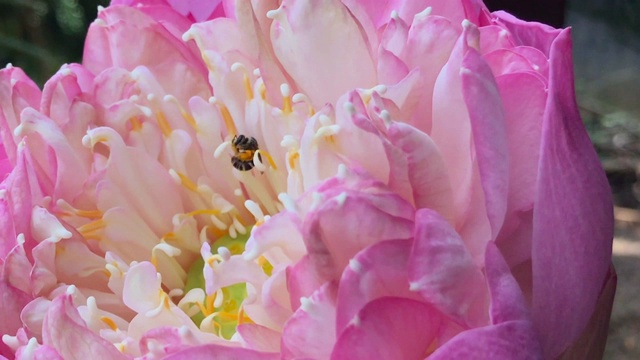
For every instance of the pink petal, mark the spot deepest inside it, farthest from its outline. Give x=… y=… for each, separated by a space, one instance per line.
x=377 y=271
x=254 y=26
x=17 y=92
x=523 y=96
x=310 y=332
x=391 y=69
x=389 y=328
x=505 y=61
x=127 y=169
x=322 y=33
x=363 y=148
x=494 y=37
x=535 y=34
x=452 y=133
x=347 y=221
x=5 y=163
x=141 y=287
x=506 y=341
x=507 y=301
x=593 y=339
x=33 y=315
x=442 y=271
x=41 y=352
x=456 y=10
x=573 y=219
x=22 y=192
x=64 y=167
x=426 y=169
x=67 y=333
x=282 y=231
x=221 y=352
x=273 y=307
x=302 y=280
x=16 y=268
x=43 y=276
x=260 y=338
x=489 y=136
x=429 y=44
x=377 y=12
x=12 y=301
x=200 y=10
x=117 y=41
x=235 y=270
x=62 y=89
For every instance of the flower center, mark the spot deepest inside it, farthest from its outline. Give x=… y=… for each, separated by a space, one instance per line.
x=221 y=311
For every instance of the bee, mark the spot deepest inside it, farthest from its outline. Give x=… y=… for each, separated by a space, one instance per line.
x=244 y=148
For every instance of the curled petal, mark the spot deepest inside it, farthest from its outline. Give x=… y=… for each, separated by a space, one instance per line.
x=379 y=270
x=389 y=328
x=66 y=332
x=310 y=333
x=567 y=155
x=509 y=340
x=349 y=220
x=442 y=271
x=17 y=92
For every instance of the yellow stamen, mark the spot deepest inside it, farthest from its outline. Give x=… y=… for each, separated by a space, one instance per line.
x=269 y=158
x=163 y=124
x=287 y=107
x=228 y=120
x=168 y=236
x=203 y=212
x=189 y=118
x=109 y=322
x=236 y=249
x=136 y=124
x=91 y=214
x=59 y=249
x=92 y=237
x=92 y=227
x=292 y=159
x=247 y=87
x=120 y=347
x=203 y=310
x=106 y=272
x=217 y=233
x=263 y=91
x=186 y=182
x=243 y=318
x=240 y=316
x=210 y=299
x=166 y=301
x=226 y=315
x=265 y=265
x=213 y=258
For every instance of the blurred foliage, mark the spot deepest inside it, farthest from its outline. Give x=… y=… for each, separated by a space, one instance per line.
x=41 y=35
x=621 y=14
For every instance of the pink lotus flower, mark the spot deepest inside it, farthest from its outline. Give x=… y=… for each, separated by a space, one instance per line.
x=419 y=184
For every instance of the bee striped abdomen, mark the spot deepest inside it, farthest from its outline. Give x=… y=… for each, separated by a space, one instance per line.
x=244 y=148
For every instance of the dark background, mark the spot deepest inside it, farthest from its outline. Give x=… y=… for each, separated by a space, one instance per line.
x=40 y=35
